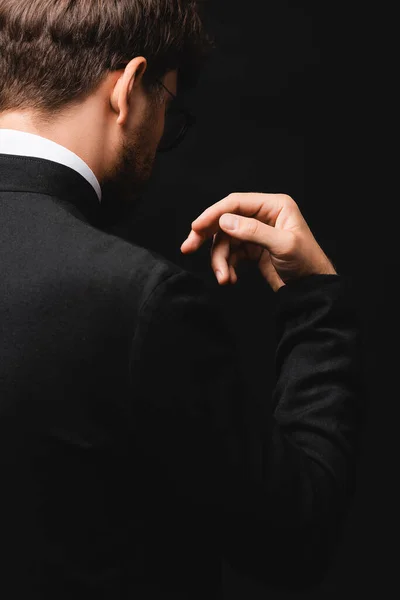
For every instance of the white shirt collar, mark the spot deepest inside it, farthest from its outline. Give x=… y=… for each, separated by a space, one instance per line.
x=29 y=144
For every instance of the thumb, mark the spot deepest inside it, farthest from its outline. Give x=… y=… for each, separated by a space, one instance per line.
x=253 y=230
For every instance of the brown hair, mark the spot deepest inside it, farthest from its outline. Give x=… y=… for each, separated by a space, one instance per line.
x=56 y=52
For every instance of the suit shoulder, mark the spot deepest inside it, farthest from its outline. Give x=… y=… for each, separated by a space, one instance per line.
x=121 y=265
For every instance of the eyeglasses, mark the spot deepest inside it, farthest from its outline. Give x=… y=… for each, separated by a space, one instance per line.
x=177 y=120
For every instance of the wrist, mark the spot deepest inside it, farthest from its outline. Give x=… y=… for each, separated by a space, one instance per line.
x=327 y=268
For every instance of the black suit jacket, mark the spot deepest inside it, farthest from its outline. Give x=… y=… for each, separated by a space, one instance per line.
x=133 y=454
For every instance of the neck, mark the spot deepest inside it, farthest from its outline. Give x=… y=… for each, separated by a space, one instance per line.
x=77 y=133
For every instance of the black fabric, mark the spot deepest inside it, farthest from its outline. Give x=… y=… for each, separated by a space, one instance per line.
x=133 y=454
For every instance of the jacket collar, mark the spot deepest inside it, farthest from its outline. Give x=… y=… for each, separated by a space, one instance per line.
x=42 y=176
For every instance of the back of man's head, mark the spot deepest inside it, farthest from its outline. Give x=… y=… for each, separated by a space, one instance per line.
x=54 y=53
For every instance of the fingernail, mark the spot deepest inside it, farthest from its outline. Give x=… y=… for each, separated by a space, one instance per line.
x=219 y=275
x=229 y=221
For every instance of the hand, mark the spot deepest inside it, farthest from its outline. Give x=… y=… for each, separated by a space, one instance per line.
x=270 y=229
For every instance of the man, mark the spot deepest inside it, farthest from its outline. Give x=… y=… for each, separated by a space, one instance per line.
x=133 y=455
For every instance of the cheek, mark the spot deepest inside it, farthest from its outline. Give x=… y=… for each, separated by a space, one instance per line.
x=154 y=127
x=161 y=122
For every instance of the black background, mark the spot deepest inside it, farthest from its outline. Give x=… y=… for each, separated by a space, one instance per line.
x=280 y=107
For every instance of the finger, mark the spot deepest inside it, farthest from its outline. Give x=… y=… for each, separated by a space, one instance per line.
x=193 y=242
x=269 y=272
x=267 y=206
x=277 y=241
x=235 y=258
x=220 y=252
x=232 y=270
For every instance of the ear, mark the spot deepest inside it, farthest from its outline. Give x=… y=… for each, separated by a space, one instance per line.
x=125 y=84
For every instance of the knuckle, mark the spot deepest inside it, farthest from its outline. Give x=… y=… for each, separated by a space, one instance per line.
x=291 y=243
x=287 y=200
x=234 y=198
x=253 y=226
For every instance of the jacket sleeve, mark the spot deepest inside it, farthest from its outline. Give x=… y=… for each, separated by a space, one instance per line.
x=276 y=474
